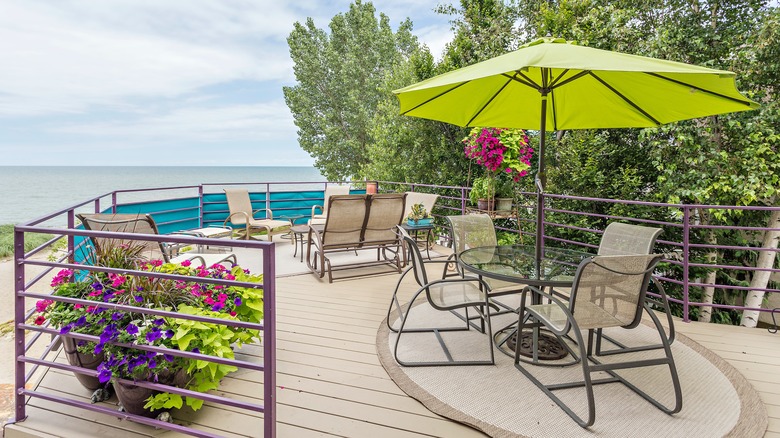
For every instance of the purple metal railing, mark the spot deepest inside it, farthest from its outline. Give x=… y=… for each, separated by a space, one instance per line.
x=22 y=259
x=453 y=200
x=557 y=219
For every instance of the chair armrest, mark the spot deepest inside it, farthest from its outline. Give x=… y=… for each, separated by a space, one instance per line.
x=269 y=214
x=570 y=321
x=314 y=209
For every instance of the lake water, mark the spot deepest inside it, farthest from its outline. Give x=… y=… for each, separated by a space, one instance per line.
x=27 y=193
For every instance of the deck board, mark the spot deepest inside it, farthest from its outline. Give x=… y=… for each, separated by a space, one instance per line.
x=331 y=383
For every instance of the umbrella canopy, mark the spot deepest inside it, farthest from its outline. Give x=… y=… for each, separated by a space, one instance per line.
x=585 y=88
x=551 y=84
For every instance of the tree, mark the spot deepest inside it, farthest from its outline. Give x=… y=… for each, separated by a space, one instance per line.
x=339 y=86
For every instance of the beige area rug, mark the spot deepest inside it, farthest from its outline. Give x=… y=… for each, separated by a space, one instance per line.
x=500 y=401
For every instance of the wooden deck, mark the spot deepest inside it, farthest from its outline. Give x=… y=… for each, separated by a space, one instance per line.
x=330 y=382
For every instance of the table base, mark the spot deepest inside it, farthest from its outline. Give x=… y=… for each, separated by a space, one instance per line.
x=549 y=347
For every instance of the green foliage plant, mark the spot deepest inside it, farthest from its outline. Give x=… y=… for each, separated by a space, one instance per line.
x=484 y=187
x=418 y=212
x=230 y=303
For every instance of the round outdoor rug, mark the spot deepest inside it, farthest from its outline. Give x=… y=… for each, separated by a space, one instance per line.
x=500 y=401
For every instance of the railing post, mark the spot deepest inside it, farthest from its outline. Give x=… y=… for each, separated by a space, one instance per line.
x=71 y=225
x=19 y=349
x=686 y=260
x=269 y=342
x=462 y=200
x=97 y=205
x=113 y=202
x=200 y=206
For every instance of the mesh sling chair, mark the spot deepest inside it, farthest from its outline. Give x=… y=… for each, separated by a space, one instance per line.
x=242 y=215
x=444 y=295
x=608 y=291
x=621 y=239
x=143 y=224
x=330 y=190
x=474 y=231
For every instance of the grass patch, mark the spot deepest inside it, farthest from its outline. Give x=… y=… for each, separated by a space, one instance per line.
x=31 y=241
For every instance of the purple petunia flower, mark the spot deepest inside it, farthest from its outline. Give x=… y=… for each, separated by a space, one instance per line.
x=153 y=335
x=104 y=373
x=132 y=329
x=116 y=316
x=139 y=299
x=169 y=334
x=81 y=322
x=66 y=329
x=158 y=322
x=168 y=357
x=237 y=301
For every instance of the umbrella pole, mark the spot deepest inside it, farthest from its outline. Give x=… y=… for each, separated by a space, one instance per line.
x=540 y=181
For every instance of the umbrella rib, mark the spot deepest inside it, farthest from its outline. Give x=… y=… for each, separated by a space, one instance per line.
x=733 y=99
x=527 y=82
x=489 y=101
x=573 y=78
x=434 y=97
x=627 y=100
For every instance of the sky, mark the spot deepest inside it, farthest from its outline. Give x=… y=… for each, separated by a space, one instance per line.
x=150 y=82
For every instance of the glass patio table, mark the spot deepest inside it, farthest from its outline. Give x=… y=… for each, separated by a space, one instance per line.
x=517 y=264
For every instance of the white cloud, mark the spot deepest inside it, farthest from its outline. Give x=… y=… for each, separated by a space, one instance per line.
x=257 y=122
x=141 y=79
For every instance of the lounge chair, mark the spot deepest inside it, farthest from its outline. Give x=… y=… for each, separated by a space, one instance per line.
x=330 y=190
x=143 y=224
x=608 y=291
x=242 y=215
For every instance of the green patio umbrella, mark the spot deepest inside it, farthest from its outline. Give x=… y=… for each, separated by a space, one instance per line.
x=553 y=85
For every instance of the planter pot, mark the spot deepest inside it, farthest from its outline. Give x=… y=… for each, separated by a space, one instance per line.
x=419 y=222
x=133 y=398
x=89 y=361
x=485 y=205
x=504 y=205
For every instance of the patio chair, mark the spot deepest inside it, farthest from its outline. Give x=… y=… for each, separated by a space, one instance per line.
x=143 y=224
x=342 y=230
x=443 y=295
x=608 y=291
x=428 y=200
x=620 y=239
x=330 y=190
x=474 y=231
x=242 y=215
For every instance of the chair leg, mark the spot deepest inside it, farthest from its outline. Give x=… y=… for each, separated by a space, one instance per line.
x=436 y=331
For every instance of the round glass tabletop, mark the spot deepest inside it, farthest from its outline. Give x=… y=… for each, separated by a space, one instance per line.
x=518 y=263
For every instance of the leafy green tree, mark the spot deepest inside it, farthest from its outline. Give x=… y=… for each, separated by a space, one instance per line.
x=340 y=76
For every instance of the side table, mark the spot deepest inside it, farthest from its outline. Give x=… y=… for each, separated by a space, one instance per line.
x=292 y=218
x=415 y=230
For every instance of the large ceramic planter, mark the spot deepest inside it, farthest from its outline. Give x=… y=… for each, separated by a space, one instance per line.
x=133 y=398
x=89 y=361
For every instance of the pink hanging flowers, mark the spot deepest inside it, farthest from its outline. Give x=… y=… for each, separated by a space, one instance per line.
x=500 y=150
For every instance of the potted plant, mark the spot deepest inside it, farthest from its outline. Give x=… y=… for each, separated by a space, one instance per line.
x=419 y=216
x=192 y=298
x=502 y=152
x=483 y=191
x=505 y=194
